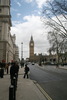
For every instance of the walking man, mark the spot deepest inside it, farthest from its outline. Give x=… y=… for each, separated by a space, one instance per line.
x=26 y=71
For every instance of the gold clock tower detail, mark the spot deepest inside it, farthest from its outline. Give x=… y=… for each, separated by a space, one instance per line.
x=31 y=49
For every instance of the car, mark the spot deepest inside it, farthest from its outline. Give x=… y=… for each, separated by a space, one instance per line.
x=33 y=63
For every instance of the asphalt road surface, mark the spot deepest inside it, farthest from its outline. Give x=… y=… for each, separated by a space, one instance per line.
x=51 y=79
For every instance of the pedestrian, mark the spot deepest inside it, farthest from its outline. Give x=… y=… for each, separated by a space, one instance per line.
x=16 y=69
x=26 y=71
x=12 y=72
x=7 y=67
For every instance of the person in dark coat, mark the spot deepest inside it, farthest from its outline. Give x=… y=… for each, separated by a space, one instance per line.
x=26 y=71
x=16 y=69
x=12 y=72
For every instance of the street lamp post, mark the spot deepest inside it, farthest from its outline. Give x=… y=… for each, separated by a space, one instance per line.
x=21 y=50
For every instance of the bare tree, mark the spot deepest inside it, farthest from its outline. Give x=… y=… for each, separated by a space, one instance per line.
x=56 y=13
x=55 y=40
x=58 y=44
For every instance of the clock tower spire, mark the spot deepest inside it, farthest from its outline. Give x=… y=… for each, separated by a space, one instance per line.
x=31 y=49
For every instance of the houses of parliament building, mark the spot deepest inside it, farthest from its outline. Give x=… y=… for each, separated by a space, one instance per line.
x=36 y=58
x=53 y=58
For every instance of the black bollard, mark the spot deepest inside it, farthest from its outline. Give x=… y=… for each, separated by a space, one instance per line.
x=11 y=92
x=16 y=76
x=2 y=72
x=14 y=83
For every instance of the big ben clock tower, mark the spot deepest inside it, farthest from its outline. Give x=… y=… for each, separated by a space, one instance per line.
x=31 y=49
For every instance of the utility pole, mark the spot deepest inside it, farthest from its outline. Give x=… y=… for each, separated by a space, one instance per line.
x=21 y=50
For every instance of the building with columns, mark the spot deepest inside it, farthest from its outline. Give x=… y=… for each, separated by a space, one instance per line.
x=7 y=41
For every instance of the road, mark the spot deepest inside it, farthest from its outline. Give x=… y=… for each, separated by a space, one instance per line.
x=52 y=80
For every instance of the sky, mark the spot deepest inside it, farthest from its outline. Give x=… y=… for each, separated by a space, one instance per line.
x=26 y=21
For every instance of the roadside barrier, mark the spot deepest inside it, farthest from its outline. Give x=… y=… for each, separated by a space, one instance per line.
x=12 y=89
x=1 y=72
x=14 y=84
x=11 y=92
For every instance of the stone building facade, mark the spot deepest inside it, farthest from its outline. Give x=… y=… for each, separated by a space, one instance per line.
x=47 y=59
x=7 y=41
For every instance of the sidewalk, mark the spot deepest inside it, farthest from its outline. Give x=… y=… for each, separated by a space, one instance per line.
x=26 y=89
x=54 y=67
x=63 y=67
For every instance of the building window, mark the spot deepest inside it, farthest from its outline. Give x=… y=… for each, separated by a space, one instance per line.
x=0 y=28
x=0 y=32
x=5 y=2
x=0 y=1
x=0 y=10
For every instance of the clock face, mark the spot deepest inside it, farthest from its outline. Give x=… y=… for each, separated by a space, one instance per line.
x=31 y=44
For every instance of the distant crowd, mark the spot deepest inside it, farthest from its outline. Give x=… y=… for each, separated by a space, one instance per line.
x=13 y=69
